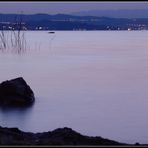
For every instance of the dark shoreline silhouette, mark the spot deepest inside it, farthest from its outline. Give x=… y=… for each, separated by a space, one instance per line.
x=60 y=136
x=16 y=93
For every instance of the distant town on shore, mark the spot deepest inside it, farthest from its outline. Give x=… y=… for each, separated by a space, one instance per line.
x=69 y=22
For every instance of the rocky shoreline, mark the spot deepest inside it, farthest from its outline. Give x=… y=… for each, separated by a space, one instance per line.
x=60 y=136
x=17 y=93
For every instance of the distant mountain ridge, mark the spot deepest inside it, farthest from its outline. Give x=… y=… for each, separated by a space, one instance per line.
x=124 y=13
x=71 y=22
x=42 y=16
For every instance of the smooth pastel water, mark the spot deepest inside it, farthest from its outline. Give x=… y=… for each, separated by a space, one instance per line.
x=94 y=82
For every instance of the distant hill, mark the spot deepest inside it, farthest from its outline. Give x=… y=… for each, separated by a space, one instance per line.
x=40 y=17
x=124 y=13
x=70 y=22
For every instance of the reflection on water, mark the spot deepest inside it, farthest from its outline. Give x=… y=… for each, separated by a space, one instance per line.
x=14 y=41
x=92 y=81
x=13 y=116
x=18 y=42
x=15 y=109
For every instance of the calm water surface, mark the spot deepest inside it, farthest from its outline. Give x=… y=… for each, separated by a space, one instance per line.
x=95 y=82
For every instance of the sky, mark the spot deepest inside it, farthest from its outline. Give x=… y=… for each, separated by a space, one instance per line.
x=52 y=7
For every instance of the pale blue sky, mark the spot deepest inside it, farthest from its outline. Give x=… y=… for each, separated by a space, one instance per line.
x=53 y=7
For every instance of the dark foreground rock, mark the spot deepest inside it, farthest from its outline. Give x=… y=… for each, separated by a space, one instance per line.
x=16 y=92
x=60 y=136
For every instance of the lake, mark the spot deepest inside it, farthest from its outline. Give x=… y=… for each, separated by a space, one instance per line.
x=95 y=82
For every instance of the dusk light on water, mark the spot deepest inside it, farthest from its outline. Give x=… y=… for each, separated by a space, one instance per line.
x=93 y=81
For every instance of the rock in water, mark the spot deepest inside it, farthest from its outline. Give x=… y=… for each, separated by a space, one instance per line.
x=16 y=92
